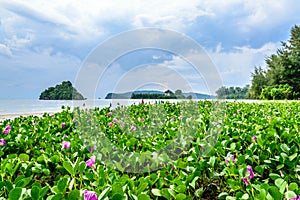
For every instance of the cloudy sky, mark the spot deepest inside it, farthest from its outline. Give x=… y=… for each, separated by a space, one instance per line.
x=44 y=43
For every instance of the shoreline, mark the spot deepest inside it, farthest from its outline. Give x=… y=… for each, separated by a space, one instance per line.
x=16 y=115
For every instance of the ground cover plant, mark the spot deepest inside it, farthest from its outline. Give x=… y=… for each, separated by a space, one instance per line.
x=254 y=156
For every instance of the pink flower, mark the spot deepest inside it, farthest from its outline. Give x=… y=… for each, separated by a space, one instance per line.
x=92 y=149
x=234 y=115
x=143 y=120
x=250 y=170
x=250 y=175
x=230 y=157
x=133 y=128
x=66 y=144
x=64 y=136
x=110 y=124
x=2 y=142
x=7 y=129
x=63 y=125
x=180 y=117
x=90 y=162
x=115 y=120
x=172 y=119
x=90 y=195
x=254 y=137
x=109 y=114
x=281 y=174
x=238 y=111
x=246 y=181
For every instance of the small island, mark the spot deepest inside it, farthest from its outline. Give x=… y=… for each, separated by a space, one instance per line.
x=155 y=94
x=63 y=91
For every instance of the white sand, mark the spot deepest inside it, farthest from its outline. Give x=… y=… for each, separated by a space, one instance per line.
x=13 y=116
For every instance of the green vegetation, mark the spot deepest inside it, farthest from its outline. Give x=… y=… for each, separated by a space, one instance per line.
x=63 y=91
x=281 y=78
x=168 y=94
x=233 y=92
x=256 y=155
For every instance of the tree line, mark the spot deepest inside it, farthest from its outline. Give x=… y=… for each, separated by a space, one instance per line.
x=280 y=79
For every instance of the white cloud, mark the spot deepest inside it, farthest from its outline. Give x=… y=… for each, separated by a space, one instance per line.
x=235 y=67
x=4 y=50
x=59 y=34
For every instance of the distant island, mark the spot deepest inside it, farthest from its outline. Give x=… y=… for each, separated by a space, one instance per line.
x=155 y=94
x=63 y=91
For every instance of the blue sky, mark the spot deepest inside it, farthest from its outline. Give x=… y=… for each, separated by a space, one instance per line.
x=44 y=43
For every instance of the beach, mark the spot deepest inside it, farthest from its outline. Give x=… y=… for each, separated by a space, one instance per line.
x=15 y=115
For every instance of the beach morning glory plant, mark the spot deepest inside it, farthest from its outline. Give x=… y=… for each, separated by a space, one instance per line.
x=90 y=162
x=7 y=129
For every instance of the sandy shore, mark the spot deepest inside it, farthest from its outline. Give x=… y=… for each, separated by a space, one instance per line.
x=12 y=116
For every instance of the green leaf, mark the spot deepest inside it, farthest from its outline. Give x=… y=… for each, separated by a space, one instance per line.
x=143 y=197
x=274 y=192
x=222 y=195
x=24 y=182
x=212 y=161
x=180 y=196
x=241 y=160
x=74 y=194
x=57 y=197
x=104 y=193
x=165 y=193
x=35 y=193
x=9 y=186
x=68 y=167
x=245 y=196
x=117 y=188
x=15 y=193
x=82 y=167
x=62 y=185
x=293 y=186
x=292 y=157
x=290 y=195
x=262 y=194
x=24 y=157
x=142 y=187
x=274 y=176
x=44 y=191
x=281 y=184
x=71 y=184
x=285 y=148
x=156 y=192
x=232 y=146
x=117 y=197
x=180 y=189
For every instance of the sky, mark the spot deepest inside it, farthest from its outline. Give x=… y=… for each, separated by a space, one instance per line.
x=43 y=43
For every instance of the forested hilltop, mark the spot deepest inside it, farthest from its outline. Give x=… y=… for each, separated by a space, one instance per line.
x=63 y=91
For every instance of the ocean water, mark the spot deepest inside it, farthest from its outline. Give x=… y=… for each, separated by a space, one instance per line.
x=21 y=106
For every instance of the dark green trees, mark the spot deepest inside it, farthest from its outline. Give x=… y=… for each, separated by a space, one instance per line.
x=63 y=91
x=233 y=92
x=281 y=79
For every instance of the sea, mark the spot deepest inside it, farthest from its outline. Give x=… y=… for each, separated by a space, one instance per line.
x=22 y=106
